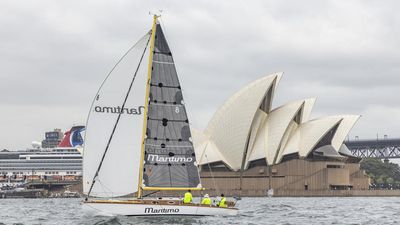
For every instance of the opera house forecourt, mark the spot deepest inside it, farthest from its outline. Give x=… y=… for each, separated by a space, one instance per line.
x=249 y=147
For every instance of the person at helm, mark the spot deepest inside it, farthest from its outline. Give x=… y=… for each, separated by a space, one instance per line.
x=222 y=202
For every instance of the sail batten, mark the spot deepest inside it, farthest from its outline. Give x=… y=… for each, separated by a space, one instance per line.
x=169 y=158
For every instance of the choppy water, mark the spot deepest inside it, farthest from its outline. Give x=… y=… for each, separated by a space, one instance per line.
x=252 y=211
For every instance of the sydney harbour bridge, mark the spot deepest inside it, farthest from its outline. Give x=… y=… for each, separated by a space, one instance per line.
x=375 y=148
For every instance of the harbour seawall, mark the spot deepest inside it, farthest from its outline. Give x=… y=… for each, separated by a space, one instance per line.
x=314 y=193
x=287 y=193
x=77 y=187
x=339 y=193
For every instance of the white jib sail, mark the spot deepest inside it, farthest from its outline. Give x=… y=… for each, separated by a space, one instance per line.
x=119 y=172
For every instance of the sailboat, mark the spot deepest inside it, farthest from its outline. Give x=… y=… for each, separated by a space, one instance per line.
x=138 y=137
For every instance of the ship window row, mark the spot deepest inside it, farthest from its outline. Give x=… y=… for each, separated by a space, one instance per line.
x=39 y=161
x=46 y=172
x=24 y=155
x=65 y=150
x=52 y=172
x=40 y=168
x=41 y=165
x=48 y=153
x=52 y=157
x=56 y=172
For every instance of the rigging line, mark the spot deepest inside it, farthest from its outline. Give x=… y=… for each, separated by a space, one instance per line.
x=150 y=193
x=106 y=190
x=212 y=175
x=119 y=116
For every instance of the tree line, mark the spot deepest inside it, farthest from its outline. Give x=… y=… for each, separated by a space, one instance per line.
x=383 y=174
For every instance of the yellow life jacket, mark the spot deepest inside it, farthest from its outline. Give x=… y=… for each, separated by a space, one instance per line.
x=187 y=198
x=206 y=201
x=222 y=203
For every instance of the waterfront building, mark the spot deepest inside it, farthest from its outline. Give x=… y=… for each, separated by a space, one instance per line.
x=250 y=147
x=52 y=138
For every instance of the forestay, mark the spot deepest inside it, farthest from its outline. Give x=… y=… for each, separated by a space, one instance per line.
x=169 y=153
x=118 y=174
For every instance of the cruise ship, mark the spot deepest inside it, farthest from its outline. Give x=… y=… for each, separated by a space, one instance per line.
x=63 y=162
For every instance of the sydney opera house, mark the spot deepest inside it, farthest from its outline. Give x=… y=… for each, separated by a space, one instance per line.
x=250 y=147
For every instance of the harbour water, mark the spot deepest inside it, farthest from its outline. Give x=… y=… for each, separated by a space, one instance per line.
x=371 y=210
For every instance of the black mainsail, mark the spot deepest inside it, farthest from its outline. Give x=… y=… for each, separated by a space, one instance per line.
x=169 y=157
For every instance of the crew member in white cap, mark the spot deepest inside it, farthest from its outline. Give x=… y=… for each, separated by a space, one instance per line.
x=206 y=200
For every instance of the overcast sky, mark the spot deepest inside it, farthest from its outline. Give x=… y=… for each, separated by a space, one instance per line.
x=54 y=55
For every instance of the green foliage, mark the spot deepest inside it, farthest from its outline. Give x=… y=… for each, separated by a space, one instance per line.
x=381 y=173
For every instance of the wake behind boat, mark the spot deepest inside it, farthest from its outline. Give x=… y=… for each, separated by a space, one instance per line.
x=138 y=137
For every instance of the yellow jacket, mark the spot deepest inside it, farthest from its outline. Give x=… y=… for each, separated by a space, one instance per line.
x=188 y=198
x=206 y=201
x=222 y=203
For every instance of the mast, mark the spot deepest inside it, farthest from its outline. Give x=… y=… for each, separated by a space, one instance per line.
x=146 y=105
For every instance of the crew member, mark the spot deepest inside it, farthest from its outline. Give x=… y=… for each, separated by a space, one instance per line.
x=188 y=197
x=206 y=200
x=222 y=202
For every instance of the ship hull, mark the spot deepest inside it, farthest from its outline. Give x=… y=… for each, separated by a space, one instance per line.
x=132 y=208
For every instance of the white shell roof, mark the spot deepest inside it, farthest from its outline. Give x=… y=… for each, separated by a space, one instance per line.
x=343 y=129
x=240 y=132
x=276 y=129
x=256 y=144
x=277 y=123
x=312 y=131
x=229 y=127
x=206 y=151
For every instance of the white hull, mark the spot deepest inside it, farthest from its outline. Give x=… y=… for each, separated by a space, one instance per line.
x=129 y=209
